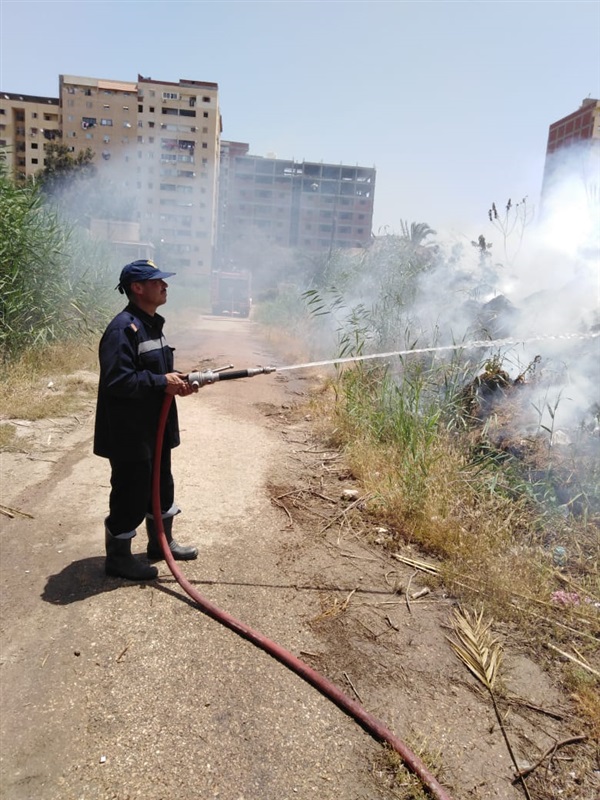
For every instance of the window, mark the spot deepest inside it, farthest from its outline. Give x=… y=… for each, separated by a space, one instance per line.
x=204 y=146
x=206 y=99
x=34 y=161
x=106 y=139
x=34 y=146
x=170 y=96
x=205 y=115
x=106 y=122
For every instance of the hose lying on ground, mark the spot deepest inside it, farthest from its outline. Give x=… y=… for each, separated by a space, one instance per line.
x=370 y=723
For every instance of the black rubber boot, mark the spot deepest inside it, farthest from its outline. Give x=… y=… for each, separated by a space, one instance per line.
x=180 y=552
x=122 y=564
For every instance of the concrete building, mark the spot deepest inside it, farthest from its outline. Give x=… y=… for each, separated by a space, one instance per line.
x=573 y=152
x=582 y=125
x=306 y=205
x=27 y=124
x=157 y=146
x=158 y=141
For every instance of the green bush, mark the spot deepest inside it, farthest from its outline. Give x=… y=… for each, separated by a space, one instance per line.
x=53 y=280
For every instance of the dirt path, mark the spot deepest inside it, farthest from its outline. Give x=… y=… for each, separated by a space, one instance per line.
x=113 y=690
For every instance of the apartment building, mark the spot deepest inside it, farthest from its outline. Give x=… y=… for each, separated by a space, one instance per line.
x=27 y=124
x=582 y=125
x=193 y=196
x=159 y=141
x=573 y=150
x=307 y=205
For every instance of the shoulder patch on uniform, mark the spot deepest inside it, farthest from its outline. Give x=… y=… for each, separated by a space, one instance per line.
x=133 y=327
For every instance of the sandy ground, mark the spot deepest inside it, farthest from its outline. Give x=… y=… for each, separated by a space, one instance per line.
x=113 y=690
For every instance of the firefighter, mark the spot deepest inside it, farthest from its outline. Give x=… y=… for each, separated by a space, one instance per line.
x=136 y=369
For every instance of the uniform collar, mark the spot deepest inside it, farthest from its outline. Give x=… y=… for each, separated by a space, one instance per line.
x=155 y=321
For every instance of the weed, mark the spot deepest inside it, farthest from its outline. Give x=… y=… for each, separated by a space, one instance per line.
x=389 y=770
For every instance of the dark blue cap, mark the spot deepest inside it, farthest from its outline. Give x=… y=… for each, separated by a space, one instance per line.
x=142 y=270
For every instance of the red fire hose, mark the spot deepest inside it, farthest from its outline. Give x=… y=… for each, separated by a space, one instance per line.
x=351 y=707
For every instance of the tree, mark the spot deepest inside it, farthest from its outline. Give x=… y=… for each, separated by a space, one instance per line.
x=61 y=168
x=417 y=233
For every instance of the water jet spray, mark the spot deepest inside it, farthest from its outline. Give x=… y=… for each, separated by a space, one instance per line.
x=420 y=350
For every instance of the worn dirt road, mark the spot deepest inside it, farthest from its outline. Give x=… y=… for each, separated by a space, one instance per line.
x=113 y=690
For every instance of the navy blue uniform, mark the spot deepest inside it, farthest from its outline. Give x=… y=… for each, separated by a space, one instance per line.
x=134 y=360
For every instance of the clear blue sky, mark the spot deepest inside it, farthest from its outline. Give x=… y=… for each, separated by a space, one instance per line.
x=450 y=101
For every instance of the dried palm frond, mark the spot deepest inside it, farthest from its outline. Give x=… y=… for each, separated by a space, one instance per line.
x=481 y=653
x=479 y=650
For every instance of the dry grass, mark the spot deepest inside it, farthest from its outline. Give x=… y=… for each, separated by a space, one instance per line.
x=49 y=382
x=494 y=545
x=389 y=770
x=8 y=437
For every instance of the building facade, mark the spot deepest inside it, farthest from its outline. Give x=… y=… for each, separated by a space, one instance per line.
x=573 y=152
x=582 y=125
x=157 y=147
x=159 y=142
x=305 y=205
x=27 y=124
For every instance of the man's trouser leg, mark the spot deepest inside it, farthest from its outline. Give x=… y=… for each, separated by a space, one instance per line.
x=169 y=511
x=129 y=499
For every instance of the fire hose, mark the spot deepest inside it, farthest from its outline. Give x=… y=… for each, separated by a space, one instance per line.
x=367 y=721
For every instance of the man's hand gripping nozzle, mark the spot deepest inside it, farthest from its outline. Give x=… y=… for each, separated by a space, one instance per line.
x=200 y=379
